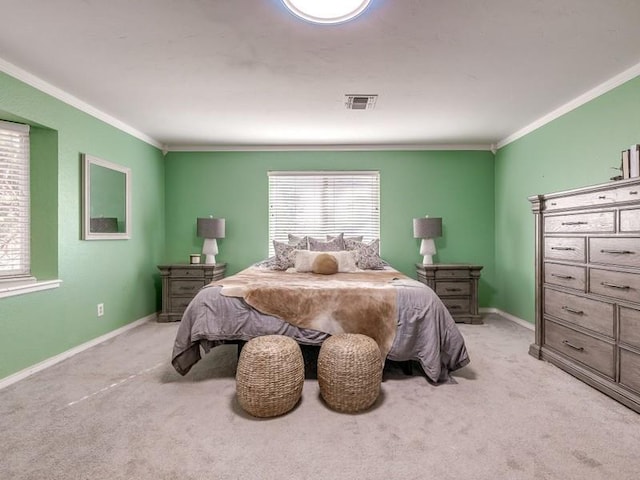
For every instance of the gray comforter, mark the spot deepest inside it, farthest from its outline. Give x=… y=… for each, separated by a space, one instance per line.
x=426 y=331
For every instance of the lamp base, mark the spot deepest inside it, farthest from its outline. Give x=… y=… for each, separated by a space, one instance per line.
x=209 y=250
x=427 y=260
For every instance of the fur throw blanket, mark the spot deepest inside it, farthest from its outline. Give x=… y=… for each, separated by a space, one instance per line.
x=362 y=302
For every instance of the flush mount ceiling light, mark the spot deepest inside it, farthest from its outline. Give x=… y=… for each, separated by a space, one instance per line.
x=327 y=11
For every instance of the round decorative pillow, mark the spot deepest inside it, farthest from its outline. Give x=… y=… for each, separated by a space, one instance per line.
x=325 y=264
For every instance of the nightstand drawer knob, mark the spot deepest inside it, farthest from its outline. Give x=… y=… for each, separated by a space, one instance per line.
x=453 y=289
x=563 y=277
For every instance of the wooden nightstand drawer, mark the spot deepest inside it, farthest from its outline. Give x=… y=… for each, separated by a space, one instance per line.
x=565 y=275
x=452 y=273
x=580 y=223
x=180 y=304
x=453 y=288
x=584 y=312
x=590 y=351
x=457 y=306
x=571 y=249
x=187 y=272
x=185 y=287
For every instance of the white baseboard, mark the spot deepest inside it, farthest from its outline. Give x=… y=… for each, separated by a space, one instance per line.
x=508 y=316
x=49 y=362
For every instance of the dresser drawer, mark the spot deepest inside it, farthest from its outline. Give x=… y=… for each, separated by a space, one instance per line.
x=565 y=248
x=622 y=285
x=453 y=288
x=185 y=287
x=187 y=272
x=565 y=275
x=584 y=312
x=457 y=306
x=580 y=223
x=582 y=200
x=588 y=350
x=630 y=326
x=615 y=251
x=630 y=369
x=630 y=220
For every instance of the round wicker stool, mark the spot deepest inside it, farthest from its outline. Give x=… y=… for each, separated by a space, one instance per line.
x=349 y=372
x=269 y=376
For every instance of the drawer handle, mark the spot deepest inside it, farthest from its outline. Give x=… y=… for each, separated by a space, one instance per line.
x=553 y=203
x=615 y=285
x=185 y=289
x=602 y=197
x=563 y=248
x=569 y=344
x=617 y=252
x=454 y=307
x=564 y=277
x=453 y=289
x=574 y=223
x=635 y=192
x=571 y=310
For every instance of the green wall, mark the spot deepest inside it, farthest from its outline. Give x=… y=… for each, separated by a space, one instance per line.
x=455 y=185
x=578 y=149
x=121 y=274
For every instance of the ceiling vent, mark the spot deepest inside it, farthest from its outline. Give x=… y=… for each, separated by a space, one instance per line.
x=360 y=102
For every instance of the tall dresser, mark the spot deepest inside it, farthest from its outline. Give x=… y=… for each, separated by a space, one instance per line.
x=588 y=285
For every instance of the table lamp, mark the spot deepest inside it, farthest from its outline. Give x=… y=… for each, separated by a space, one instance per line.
x=427 y=229
x=210 y=229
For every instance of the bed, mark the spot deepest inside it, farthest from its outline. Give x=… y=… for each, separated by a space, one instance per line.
x=405 y=317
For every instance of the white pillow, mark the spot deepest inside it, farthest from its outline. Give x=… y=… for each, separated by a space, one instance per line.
x=305 y=258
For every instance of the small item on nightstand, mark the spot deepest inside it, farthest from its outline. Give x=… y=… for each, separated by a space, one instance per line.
x=194 y=258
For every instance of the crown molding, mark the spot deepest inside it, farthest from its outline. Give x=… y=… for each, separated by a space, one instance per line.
x=36 y=82
x=586 y=97
x=336 y=147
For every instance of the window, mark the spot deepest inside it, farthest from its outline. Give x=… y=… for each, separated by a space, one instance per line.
x=323 y=203
x=14 y=201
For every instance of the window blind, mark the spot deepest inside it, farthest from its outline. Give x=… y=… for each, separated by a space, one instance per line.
x=14 y=200
x=323 y=203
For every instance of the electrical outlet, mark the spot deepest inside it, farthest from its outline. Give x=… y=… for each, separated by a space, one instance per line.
x=100 y=309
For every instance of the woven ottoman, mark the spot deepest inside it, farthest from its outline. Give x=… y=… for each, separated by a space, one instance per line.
x=349 y=372
x=269 y=376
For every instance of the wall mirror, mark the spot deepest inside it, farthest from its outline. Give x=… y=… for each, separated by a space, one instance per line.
x=106 y=209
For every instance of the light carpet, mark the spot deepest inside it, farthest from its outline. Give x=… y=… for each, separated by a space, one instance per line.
x=120 y=411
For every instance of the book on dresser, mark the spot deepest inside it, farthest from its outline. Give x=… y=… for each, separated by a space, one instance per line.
x=634 y=161
x=587 y=309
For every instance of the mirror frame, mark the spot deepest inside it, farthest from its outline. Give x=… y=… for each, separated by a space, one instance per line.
x=89 y=160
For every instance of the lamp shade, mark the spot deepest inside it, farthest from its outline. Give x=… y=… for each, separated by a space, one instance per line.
x=211 y=227
x=426 y=227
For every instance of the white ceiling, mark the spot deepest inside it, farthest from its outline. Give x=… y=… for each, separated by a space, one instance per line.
x=246 y=73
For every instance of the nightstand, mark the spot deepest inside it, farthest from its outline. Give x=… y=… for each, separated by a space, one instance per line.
x=181 y=282
x=457 y=287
